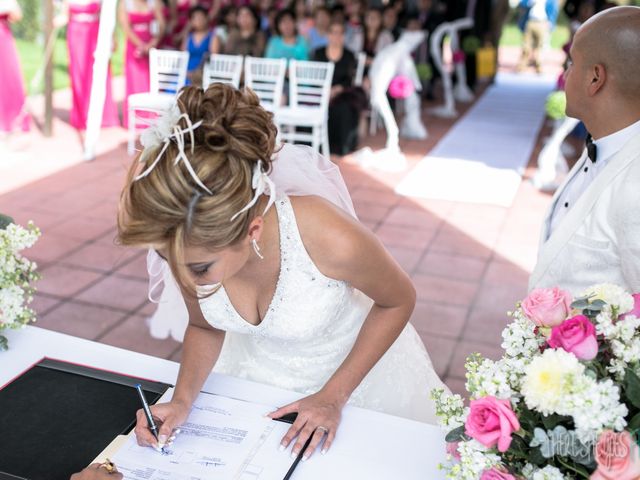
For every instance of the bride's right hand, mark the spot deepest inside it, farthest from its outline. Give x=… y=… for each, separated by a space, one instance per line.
x=167 y=416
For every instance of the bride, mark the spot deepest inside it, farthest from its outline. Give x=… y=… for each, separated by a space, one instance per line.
x=300 y=296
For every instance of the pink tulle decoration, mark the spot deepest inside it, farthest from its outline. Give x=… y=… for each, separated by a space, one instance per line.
x=458 y=56
x=560 y=82
x=401 y=87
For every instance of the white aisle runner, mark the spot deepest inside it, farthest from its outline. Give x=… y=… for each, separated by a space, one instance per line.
x=482 y=157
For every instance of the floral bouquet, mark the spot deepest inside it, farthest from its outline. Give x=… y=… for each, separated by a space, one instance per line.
x=16 y=275
x=564 y=400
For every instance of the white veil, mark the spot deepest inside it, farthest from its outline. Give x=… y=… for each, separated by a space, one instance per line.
x=296 y=171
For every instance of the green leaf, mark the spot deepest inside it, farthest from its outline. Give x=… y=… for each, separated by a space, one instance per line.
x=471 y=44
x=4 y=343
x=634 y=424
x=5 y=221
x=518 y=443
x=455 y=435
x=552 y=421
x=580 y=303
x=536 y=457
x=632 y=387
x=528 y=417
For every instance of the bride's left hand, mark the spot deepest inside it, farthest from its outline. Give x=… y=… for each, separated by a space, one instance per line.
x=318 y=417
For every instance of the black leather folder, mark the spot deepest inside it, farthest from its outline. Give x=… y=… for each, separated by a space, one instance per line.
x=57 y=417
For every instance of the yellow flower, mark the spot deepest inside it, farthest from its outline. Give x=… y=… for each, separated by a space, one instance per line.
x=549 y=378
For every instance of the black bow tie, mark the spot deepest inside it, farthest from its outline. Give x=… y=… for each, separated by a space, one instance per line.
x=592 y=149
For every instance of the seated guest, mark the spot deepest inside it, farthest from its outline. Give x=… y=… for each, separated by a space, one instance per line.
x=390 y=21
x=318 y=33
x=346 y=101
x=269 y=27
x=375 y=36
x=246 y=39
x=198 y=43
x=287 y=44
x=338 y=14
x=353 y=36
x=304 y=22
x=263 y=7
x=226 y=22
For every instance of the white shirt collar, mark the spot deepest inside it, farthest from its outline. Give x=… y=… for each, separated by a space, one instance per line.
x=611 y=144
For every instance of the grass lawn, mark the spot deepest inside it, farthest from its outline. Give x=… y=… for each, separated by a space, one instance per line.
x=32 y=55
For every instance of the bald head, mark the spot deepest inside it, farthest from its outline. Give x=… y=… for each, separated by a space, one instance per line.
x=612 y=39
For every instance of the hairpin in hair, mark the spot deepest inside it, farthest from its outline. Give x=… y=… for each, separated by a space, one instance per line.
x=161 y=132
x=261 y=183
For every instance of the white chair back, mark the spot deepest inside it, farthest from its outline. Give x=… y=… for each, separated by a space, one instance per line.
x=168 y=70
x=222 y=69
x=265 y=76
x=310 y=84
x=359 y=76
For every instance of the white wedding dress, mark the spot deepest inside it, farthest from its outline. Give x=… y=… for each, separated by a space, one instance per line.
x=312 y=321
x=308 y=330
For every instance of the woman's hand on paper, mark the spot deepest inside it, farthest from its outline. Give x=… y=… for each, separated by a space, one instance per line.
x=318 y=417
x=168 y=417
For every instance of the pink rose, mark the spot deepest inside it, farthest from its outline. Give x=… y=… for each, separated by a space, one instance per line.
x=491 y=421
x=576 y=335
x=496 y=474
x=636 y=307
x=617 y=456
x=547 y=307
x=452 y=449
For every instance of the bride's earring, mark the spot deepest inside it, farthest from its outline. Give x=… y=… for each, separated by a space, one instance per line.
x=256 y=249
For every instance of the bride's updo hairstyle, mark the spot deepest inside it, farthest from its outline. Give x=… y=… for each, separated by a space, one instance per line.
x=168 y=209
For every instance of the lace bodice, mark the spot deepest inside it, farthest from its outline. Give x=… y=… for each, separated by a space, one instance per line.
x=307 y=309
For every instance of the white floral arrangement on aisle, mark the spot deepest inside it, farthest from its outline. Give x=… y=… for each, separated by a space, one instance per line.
x=563 y=402
x=16 y=276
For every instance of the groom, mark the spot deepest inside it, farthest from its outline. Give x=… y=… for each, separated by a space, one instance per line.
x=592 y=231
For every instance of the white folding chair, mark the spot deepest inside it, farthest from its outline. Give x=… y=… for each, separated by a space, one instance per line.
x=310 y=89
x=222 y=69
x=168 y=74
x=265 y=76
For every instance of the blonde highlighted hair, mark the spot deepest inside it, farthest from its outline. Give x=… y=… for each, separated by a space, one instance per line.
x=168 y=210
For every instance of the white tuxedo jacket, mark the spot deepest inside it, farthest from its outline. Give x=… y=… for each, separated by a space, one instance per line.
x=598 y=240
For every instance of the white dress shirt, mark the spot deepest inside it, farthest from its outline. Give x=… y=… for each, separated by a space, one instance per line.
x=538 y=11
x=607 y=147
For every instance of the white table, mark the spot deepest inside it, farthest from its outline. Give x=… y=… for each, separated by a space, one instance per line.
x=369 y=445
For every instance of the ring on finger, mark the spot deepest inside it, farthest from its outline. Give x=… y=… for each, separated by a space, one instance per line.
x=109 y=466
x=322 y=429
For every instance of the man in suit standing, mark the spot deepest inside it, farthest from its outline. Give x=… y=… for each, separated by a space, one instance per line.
x=592 y=231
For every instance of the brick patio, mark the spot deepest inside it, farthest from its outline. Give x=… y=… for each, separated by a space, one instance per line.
x=469 y=262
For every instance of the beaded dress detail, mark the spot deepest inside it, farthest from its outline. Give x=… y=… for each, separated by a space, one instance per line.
x=310 y=328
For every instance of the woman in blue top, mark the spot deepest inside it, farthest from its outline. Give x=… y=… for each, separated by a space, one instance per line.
x=287 y=44
x=197 y=43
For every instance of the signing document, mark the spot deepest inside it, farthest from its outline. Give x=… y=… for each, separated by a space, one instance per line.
x=223 y=439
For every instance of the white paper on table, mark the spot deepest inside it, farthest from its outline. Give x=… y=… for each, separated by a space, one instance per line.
x=223 y=439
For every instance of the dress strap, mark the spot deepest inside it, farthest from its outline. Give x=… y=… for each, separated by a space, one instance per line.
x=290 y=239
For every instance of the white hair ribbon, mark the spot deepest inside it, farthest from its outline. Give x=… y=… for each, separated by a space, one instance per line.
x=261 y=183
x=162 y=131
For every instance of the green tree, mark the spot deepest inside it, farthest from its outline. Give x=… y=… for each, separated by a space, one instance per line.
x=29 y=27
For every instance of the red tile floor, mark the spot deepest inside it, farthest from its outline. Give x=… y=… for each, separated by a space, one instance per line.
x=469 y=262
